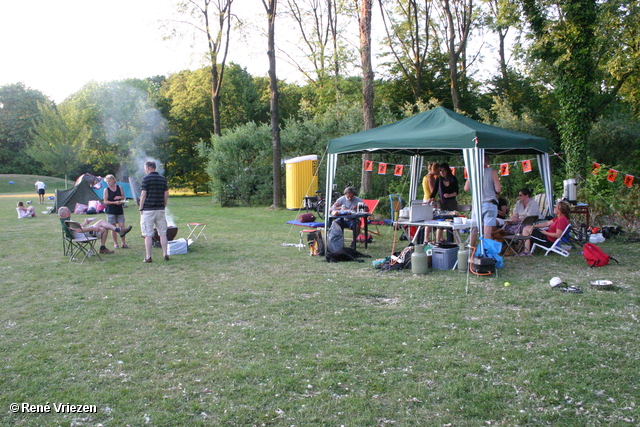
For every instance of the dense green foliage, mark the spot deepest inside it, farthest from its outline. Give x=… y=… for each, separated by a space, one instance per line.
x=18 y=110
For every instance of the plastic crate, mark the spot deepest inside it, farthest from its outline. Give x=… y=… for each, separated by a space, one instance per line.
x=444 y=259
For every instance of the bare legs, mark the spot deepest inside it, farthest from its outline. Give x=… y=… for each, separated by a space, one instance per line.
x=148 y=244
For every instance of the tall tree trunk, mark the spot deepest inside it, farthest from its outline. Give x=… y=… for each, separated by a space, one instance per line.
x=453 y=57
x=460 y=23
x=215 y=99
x=216 y=44
x=271 y=7
x=502 y=35
x=367 y=83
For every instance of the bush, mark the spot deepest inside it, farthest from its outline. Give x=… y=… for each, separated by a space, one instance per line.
x=240 y=165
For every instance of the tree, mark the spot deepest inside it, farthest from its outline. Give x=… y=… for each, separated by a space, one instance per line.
x=617 y=53
x=458 y=18
x=57 y=142
x=316 y=21
x=408 y=29
x=271 y=7
x=564 y=40
x=364 y=23
x=18 y=110
x=503 y=15
x=217 y=36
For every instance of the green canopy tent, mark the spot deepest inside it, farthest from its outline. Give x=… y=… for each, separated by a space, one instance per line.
x=442 y=132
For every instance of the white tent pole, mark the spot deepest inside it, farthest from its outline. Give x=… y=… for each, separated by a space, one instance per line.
x=332 y=161
x=544 y=164
x=474 y=160
x=415 y=173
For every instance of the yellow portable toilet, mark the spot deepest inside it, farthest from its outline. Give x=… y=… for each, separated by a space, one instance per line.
x=302 y=179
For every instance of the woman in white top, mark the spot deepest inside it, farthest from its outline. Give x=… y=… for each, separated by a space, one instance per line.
x=526 y=206
x=23 y=212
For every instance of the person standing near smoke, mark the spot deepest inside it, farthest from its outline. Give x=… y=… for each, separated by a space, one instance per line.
x=113 y=197
x=154 y=196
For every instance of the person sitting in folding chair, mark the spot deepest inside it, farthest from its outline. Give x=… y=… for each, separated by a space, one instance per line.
x=546 y=233
x=347 y=203
x=98 y=228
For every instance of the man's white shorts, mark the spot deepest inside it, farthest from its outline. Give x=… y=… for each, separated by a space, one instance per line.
x=150 y=218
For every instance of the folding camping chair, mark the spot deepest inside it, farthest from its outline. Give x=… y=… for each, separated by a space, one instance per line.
x=515 y=242
x=541 y=200
x=196 y=229
x=556 y=247
x=371 y=207
x=395 y=204
x=78 y=243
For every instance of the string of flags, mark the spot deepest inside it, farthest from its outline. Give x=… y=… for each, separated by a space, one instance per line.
x=612 y=174
x=505 y=170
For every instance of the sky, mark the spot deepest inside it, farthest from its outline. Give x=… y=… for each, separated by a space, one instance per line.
x=57 y=47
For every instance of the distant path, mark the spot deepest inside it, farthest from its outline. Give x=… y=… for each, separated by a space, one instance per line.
x=21 y=195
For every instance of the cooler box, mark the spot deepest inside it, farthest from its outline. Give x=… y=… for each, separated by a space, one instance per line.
x=301 y=180
x=444 y=258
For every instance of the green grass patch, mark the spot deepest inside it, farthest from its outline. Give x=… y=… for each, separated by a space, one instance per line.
x=242 y=331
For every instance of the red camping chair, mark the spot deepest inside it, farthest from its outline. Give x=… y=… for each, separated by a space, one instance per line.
x=371 y=207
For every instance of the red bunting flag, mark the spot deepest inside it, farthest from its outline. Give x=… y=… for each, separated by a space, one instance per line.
x=465 y=175
x=611 y=176
x=397 y=170
x=504 y=169
x=382 y=169
x=595 y=168
x=453 y=170
x=526 y=166
x=628 y=180
x=368 y=165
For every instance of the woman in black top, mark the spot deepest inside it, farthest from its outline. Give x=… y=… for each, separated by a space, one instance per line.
x=447 y=188
x=113 y=199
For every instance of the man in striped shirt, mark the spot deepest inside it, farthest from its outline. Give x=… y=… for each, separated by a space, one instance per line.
x=154 y=196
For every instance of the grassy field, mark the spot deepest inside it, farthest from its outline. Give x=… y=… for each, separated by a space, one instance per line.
x=244 y=332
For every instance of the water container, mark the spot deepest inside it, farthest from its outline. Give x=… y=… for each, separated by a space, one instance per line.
x=419 y=260
x=570 y=193
x=463 y=260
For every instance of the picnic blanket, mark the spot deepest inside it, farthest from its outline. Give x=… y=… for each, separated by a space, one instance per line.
x=306 y=224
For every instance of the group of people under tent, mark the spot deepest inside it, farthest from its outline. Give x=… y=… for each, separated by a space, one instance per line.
x=441 y=188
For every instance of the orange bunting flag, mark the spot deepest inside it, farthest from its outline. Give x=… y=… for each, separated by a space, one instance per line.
x=382 y=169
x=595 y=168
x=465 y=175
x=628 y=180
x=504 y=169
x=526 y=166
x=397 y=170
x=453 y=170
x=368 y=165
x=611 y=176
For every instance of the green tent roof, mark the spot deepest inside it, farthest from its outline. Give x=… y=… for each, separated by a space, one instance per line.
x=440 y=130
